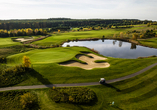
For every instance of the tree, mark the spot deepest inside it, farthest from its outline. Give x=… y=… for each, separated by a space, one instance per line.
x=114 y=36
x=148 y=24
x=134 y=36
x=29 y=101
x=142 y=36
x=26 y=61
x=121 y=34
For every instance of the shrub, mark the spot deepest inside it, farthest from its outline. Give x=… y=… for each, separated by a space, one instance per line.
x=134 y=36
x=29 y=100
x=93 y=50
x=26 y=61
x=3 y=60
x=10 y=100
x=11 y=76
x=76 y=95
x=68 y=46
x=17 y=70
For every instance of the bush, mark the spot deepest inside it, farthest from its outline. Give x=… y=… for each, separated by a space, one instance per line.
x=76 y=95
x=3 y=60
x=29 y=101
x=26 y=61
x=93 y=50
x=17 y=70
x=10 y=100
x=12 y=76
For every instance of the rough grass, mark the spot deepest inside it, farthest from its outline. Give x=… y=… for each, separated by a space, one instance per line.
x=149 y=42
x=138 y=93
x=6 y=51
x=48 y=71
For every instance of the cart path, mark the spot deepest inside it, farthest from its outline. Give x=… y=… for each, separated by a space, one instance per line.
x=77 y=84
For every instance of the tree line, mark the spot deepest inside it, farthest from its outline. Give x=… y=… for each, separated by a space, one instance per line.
x=22 y=32
x=65 y=23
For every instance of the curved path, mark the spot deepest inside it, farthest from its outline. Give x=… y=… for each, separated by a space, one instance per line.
x=78 y=84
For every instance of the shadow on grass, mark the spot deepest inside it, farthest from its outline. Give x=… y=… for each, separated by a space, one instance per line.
x=40 y=78
x=117 y=107
x=111 y=86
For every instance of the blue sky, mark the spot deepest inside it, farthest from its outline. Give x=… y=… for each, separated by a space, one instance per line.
x=81 y=9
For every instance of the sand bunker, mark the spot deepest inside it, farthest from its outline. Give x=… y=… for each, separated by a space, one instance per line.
x=23 y=39
x=90 y=62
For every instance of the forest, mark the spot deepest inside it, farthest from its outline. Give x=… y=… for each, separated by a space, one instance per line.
x=66 y=23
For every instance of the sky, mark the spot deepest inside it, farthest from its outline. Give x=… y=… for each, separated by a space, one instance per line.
x=78 y=9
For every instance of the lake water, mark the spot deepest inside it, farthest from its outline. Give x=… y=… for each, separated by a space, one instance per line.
x=115 y=48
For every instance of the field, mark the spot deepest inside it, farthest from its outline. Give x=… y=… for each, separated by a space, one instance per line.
x=137 y=93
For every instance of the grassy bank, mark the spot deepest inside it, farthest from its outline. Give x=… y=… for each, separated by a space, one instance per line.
x=152 y=42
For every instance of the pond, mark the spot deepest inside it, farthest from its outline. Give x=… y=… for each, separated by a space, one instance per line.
x=115 y=48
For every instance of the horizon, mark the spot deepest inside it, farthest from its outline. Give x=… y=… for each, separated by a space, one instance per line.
x=67 y=19
x=89 y=9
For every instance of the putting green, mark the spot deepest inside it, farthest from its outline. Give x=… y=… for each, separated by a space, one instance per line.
x=43 y=56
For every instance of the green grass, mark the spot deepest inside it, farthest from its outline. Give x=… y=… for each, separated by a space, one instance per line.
x=6 y=42
x=62 y=37
x=152 y=42
x=137 y=93
x=132 y=94
x=47 y=56
x=6 y=51
x=48 y=71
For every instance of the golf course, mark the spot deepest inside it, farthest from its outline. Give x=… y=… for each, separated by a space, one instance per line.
x=50 y=63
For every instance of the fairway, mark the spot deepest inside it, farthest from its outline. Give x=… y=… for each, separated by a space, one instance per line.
x=6 y=42
x=59 y=38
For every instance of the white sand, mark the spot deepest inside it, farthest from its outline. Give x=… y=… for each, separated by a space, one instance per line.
x=90 y=62
x=23 y=40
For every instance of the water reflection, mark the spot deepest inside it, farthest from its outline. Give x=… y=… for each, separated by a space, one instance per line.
x=115 y=48
x=133 y=46
x=114 y=42
x=120 y=43
x=103 y=39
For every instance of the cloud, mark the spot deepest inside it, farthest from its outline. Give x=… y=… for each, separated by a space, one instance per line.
x=109 y=9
